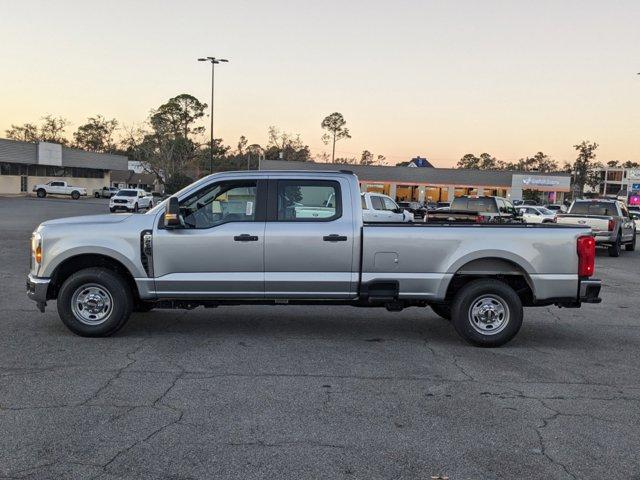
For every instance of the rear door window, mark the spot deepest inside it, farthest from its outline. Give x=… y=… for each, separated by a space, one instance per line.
x=308 y=201
x=376 y=203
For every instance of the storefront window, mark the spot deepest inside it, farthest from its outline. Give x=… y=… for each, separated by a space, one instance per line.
x=614 y=176
x=407 y=193
x=432 y=194
x=377 y=188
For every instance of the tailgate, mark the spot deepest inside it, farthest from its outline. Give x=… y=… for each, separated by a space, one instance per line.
x=598 y=223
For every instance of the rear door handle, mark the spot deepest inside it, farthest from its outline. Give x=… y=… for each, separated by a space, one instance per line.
x=334 y=238
x=245 y=237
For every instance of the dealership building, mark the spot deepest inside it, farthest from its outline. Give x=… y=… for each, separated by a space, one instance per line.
x=443 y=184
x=25 y=164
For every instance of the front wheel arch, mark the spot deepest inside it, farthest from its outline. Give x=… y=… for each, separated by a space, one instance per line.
x=76 y=263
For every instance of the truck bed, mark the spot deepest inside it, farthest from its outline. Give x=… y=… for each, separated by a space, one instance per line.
x=423 y=257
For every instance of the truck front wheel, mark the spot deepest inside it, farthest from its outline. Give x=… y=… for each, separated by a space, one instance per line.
x=95 y=302
x=41 y=193
x=487 y=313
x=75 y=195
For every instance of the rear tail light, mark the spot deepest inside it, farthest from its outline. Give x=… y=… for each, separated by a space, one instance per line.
x=586 y=256
x=480 y=219
x=611 y=225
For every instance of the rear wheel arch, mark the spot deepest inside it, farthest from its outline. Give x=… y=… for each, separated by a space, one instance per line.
x=502 y=269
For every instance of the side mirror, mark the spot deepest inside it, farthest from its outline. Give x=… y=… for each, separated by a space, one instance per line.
x=172 y=215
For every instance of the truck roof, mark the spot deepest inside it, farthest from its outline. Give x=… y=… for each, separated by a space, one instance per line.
x=282 y=173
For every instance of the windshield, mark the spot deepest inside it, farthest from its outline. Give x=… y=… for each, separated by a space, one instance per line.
x=127 y=193
x=593 y=208
x=546 y=211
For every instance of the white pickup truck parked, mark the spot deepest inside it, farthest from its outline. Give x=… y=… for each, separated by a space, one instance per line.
x=105 y=192
x=283 y=238
x=58 y=187
x=377 y=207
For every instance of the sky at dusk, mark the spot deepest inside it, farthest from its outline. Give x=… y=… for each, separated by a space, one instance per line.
x=430 y=78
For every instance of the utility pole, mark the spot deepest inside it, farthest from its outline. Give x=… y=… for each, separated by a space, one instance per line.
x=214 y=61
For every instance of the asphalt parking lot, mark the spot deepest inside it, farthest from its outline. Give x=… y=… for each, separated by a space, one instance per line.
x=314 y=392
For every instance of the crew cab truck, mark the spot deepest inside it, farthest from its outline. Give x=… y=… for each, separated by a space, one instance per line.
x=609 y=220
x=249 y=237
x=58 y=187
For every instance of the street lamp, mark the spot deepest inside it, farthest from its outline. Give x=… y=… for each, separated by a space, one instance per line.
x=213 y=61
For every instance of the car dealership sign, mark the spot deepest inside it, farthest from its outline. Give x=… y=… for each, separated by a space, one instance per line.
x=540 y=182
x=543 y=182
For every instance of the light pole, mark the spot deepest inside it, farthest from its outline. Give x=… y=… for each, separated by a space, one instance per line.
x=213 y=61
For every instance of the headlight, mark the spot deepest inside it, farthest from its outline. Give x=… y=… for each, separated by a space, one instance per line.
x=36 y=248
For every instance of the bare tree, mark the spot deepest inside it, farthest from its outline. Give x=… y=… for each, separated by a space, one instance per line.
x=52 y=130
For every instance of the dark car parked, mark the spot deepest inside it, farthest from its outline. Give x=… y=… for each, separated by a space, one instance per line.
x=418 y=210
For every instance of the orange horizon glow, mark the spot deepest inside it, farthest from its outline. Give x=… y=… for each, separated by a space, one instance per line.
x=412 y=78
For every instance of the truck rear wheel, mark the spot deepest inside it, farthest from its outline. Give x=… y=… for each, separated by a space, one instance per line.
x=616 y=248
x=41 y=193
x=630 y=247
x=95 y=302
x=487 y=313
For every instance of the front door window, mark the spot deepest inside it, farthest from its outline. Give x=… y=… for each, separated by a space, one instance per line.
x=220 y=203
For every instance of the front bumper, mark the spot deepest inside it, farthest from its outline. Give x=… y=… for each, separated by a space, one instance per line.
x=37 y=290
x=121 y=206
x=589 y=291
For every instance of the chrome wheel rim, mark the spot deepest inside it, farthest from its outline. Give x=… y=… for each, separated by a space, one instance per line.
x=488 y=314
x=91 y=304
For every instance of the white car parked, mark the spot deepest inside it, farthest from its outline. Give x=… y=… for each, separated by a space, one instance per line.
x=377 y=207
x=532 y=214
x=131 y=199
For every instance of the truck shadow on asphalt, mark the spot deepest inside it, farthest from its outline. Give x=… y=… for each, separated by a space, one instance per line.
x=285 y=324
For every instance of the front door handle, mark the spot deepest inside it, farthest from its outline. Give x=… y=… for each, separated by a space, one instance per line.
x=334 y=238
x=245 y=237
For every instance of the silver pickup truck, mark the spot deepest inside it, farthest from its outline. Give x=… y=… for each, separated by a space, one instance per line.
x=299 y=238
x=609 y=220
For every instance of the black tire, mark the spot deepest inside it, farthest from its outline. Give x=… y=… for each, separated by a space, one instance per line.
x=97 y=195
x=41 y=193
x=112 y=210
x=616 y=248
x=630 y=247
x=121 y=302
x=75 y=195
x=497 y=297
x=135 y=208
x=442 y=310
